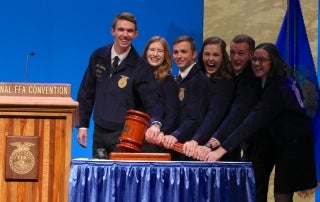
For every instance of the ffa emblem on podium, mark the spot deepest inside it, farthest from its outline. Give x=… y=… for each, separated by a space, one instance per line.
x=22 y=158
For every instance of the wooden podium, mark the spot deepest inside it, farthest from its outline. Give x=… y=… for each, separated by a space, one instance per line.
x=36 y=122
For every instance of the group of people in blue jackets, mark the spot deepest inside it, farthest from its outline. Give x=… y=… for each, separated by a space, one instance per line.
x=241 y=106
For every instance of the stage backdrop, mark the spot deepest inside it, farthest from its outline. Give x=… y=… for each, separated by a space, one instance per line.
x=63 y=34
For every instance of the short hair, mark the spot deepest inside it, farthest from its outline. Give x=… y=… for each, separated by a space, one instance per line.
x=243 y=38
x=188 y=39
x=125 y=16
x=165 y=68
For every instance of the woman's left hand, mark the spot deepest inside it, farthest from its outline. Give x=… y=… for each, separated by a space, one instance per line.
x=215 y=155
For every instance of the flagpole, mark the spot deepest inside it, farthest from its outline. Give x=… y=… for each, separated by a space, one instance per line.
x=288 y=38
x=288 y=31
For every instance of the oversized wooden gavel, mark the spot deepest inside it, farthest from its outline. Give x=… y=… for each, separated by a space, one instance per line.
x=132 y=135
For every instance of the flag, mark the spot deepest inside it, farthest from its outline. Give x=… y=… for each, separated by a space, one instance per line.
x=294 y=47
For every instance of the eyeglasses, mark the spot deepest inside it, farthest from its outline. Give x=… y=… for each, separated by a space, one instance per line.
x=260 y=60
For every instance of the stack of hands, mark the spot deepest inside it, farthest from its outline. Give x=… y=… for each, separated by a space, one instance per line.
x=211 y=152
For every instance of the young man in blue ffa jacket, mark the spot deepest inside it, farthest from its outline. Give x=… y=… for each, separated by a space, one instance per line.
x=117 y=80
x=194 y=93
x=246 y=94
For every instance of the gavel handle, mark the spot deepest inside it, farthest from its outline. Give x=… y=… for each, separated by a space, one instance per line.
x=178 y=147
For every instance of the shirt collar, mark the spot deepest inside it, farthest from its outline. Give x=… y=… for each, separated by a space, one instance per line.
x=185 y=73
x=122 y=56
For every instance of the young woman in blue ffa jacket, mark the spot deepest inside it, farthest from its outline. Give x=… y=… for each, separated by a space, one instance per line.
x=245 y=95
x=157 y=54
x=215 y=63
x=111 y=91
x=278 y=119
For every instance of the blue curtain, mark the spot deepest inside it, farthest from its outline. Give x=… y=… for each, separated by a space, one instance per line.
x=160 y=181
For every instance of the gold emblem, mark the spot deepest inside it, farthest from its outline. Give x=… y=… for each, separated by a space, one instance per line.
x=123 y=81
x=181 y=94
x=21 y=160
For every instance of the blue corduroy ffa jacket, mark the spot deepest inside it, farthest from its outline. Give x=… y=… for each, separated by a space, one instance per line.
x=111 y=93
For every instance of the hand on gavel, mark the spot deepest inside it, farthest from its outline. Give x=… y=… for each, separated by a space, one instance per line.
x=154 y=139
x=189 y=148
x=201 y=152
x=153 y=135
x=168 y=141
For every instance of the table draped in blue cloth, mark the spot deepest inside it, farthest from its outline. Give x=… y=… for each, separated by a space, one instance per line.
x=174 y=181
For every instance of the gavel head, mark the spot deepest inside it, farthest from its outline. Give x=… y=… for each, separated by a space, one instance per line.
x=132 y=136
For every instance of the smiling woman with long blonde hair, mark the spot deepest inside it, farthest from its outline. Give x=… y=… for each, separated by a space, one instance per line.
x=157 y=54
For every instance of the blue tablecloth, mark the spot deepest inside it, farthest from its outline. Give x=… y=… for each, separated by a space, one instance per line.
x=121 y=181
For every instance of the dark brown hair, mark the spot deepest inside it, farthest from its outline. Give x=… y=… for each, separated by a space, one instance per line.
x=125 y=16
x=225 y=70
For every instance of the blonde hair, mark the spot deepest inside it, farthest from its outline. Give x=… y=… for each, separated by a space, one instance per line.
x=164 y=69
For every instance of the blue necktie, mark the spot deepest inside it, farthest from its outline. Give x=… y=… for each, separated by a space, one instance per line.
x=179 y=79
x=115 y=62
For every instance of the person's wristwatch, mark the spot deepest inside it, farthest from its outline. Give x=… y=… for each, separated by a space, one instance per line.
x=157 y=123
x=209 y=145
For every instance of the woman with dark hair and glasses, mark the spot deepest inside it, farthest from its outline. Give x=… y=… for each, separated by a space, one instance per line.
x=278 y=129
